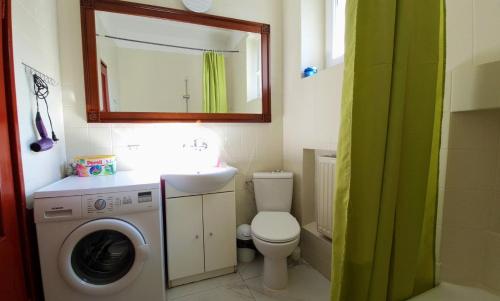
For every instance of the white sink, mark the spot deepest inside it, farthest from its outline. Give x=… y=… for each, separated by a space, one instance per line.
x=202 y=180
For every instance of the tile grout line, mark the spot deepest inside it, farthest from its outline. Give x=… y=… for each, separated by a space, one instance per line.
x=195 y=293
x=246 y=285
x=208 y=289
x=250 y=291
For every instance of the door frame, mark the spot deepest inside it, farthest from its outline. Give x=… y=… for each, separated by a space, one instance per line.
x=26 y=225
x=106 y=106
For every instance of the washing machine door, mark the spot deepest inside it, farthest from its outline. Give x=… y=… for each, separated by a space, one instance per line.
x=103 y=256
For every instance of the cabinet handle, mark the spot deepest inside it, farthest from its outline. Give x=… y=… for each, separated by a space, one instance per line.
x=211 y=234
x=197 y=236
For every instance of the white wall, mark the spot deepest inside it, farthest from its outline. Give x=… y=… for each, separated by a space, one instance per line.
x=249 y=147
x=312 y=20
x=107 y=51
x=241 y=75
x=157 y=79
x=236 y=68
x=311 y=109
x=470 y=152
x=35 y=43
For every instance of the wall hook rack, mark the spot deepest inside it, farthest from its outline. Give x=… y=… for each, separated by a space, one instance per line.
x=42 y=75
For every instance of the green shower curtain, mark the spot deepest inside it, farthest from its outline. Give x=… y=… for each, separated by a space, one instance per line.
x=214 y=83
x=388 y=153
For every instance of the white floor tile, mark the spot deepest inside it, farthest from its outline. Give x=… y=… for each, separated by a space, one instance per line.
x=304 y=284
x=236 y=291
x=252 y=269
x=202 y=286
x=448 y=291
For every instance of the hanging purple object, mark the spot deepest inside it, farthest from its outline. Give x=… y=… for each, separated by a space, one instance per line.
x=45 y=143
x=41 y=91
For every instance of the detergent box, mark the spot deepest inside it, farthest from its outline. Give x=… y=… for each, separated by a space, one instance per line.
x=95 y=166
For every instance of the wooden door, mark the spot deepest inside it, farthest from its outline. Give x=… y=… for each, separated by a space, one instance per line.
x=184 y=237
x=219 y=217
x=105 y=88
x=12 y=282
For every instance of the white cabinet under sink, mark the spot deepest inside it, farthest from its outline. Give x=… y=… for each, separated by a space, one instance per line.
x=185 y=237
x=219 y=220
x=201 y=234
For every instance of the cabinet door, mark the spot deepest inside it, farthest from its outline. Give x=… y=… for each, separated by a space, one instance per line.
x=219 y=216
x=184 y=236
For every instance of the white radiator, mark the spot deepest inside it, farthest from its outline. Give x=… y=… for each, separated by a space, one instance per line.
x=325 y=181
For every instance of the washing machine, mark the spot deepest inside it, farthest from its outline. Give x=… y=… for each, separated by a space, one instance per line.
x=100 y=238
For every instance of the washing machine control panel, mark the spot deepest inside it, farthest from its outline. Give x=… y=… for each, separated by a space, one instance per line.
x=120 y=202
x=100 y=204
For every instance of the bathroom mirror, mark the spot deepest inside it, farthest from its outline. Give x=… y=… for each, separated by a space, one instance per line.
x=146 y=63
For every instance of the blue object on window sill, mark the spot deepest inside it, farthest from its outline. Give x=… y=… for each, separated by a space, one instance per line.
x=310 y=71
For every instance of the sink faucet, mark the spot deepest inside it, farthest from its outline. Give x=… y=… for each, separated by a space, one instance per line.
x=198 y=145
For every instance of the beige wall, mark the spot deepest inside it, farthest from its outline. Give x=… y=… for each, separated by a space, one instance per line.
x=311 y=110
x=249 y=147
x=35 y=43
x=470 y=165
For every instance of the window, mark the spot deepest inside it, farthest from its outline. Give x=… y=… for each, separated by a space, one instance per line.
x=254 y=66
x=335 y=31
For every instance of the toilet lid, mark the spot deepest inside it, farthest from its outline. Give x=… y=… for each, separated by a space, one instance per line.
x=277 y=227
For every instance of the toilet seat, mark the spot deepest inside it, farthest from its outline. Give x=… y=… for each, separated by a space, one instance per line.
x=275 y=227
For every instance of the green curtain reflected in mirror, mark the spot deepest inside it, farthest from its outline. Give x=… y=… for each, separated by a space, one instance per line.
x=387 y=158
x=214 y=83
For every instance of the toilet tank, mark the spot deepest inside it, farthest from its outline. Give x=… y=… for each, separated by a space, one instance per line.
x=273 y=191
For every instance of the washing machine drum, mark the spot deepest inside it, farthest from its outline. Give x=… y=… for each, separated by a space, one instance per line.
x=102 y=257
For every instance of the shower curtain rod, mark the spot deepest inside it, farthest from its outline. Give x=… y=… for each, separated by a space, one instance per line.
x=165 y=45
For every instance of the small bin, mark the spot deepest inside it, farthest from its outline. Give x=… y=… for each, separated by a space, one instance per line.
x=244 y=242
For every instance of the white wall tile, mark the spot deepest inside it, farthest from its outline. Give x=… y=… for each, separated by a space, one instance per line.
x=100 y=141
x=486 y=37
x=471 y=208
x=445 y=130
x=461 y=255
x=123 y=136
x=467 y=208
x=443 y=166
x=440 y=207
x=477 y=130
x=474 y=87
x=77 y=142
x=497 y=184
x=439 y=237
x=459 y=24
x=72 y=118
x=494 y=214
x=470 y=169
x=491 y=260
x=447 y=92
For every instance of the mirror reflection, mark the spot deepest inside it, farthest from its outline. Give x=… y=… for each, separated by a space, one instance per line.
x=155 y=65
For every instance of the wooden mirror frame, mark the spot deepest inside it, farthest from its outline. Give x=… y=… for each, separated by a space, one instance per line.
x=95 y=115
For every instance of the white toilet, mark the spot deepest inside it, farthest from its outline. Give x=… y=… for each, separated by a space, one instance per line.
x=275 y=232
